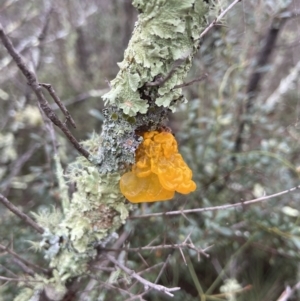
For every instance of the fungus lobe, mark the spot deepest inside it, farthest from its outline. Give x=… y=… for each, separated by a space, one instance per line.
x=159 y=171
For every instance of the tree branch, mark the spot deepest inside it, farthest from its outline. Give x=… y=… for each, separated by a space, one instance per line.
x=20 y=214
x=33 y=83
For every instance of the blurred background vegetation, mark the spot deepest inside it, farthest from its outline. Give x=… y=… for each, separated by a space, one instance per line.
x=239 y=133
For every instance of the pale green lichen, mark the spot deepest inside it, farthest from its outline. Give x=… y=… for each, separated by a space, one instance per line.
x=96 y=209
x=119 y=139
x=167 y=32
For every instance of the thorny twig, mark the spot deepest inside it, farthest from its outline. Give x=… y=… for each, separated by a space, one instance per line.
x=162 y=269
x=215 y=208
x=147 y=284
x=110 y=286
x=33 y=83
x=183 y=245
x=20 y=214
x=140 y=296
x=218 y=19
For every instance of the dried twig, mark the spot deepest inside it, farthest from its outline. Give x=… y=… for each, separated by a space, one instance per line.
x=11 y=279
x=183 y=245
x=162 y=269
x=198 y=79
x=19 y=279
x=28 y=263
x=147 y=284
x=150 y=268
x=33 y=83
x=164 y=265
x=20 y=214
x=59 y=103
x=26 y=269
x=215 y=208
x=113 y=287
x=218 y=19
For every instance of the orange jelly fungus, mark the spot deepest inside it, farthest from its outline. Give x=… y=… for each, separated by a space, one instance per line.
x=159 y=171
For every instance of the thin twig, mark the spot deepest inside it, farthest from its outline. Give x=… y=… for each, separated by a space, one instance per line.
x=28 y=263
x=157 y=278
x=198 y=79
x=184 y=245
x=11 y=279
x=59 y=103
x=151 y=268
x=215 y=208
x=110 y=286
x=162 y=269
x=147 y=284
x=26 y=269
x=218 y=19
x=20 y=214
x=8 y=270
x=33 y=83
x=18 y=279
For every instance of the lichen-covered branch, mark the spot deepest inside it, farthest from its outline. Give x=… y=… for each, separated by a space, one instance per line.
x=161 y=50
